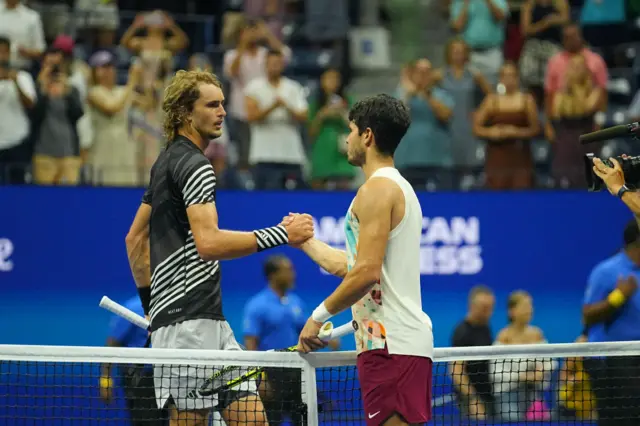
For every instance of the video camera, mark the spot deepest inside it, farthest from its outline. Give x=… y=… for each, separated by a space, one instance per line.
x=630 y=165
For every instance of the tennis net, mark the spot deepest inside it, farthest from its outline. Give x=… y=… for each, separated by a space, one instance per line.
x=511 y=384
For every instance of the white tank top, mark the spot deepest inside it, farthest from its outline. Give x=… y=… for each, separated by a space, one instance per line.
x=391 y=313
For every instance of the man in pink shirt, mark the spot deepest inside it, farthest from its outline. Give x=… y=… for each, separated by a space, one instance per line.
x=241 y=65
x=557 y=68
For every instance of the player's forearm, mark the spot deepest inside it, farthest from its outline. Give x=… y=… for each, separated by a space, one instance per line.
x=226 y=245
x=356 y=284
x=138 y=253
x=332 y=260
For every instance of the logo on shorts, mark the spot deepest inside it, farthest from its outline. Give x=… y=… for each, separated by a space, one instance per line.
x=374 y=414
x=354 y=324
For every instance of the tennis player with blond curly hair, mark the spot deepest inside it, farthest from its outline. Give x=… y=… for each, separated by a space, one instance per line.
x=174 y=248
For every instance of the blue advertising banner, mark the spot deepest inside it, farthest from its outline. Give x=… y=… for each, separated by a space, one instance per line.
x=62 y=249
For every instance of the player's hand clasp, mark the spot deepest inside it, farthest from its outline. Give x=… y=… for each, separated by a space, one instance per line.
x=309 y=340
x=299 y=227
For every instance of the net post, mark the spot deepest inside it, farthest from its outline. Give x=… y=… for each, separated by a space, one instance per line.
x=310 y=391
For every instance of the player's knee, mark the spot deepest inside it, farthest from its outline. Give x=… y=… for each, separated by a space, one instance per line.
x=261 y=419
x=189 y=418
x=395 y=420
x=254 y=419
x=247 y=410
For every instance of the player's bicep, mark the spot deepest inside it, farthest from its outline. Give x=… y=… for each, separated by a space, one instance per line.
x=373 y=207
x=203 y=221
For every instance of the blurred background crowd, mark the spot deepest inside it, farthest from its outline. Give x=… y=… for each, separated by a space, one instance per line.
x=498 y=90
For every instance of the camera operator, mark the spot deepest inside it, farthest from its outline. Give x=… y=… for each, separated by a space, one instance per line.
x=613 y=178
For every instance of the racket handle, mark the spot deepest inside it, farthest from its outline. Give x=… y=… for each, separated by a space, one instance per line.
x=123 y=312
x=327 y=332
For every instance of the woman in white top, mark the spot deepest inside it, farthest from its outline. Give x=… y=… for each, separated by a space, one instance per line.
x=519 y=382
x=112 y=155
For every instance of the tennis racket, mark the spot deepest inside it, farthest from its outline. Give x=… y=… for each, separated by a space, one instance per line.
x=123 y=312
x=327 y=332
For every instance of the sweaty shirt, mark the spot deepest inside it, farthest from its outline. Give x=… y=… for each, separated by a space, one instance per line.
x=391 y=313
x=183 y=285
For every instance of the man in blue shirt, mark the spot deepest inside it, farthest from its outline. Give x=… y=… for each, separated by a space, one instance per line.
x=611 y=312
x=137 y=380
x=273 y=319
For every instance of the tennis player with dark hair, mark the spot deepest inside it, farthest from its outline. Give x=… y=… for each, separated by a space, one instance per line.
x=174 y=248
x=381 y=271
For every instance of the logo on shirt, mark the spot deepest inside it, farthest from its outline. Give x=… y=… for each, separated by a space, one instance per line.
x=354 y=323
x=448 y=245
x=6 y=250
x=297 y=311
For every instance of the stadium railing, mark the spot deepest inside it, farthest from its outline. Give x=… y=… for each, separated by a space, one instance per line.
x=60 y=385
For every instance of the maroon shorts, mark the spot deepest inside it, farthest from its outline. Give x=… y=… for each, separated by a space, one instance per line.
x=394 y=384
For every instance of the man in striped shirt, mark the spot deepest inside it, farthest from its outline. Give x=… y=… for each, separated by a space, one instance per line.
x=174 y=248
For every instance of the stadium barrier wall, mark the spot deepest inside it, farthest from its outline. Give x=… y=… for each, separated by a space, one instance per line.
x=61 y=249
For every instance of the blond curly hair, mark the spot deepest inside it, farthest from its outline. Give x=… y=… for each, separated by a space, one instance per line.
x=180 y=96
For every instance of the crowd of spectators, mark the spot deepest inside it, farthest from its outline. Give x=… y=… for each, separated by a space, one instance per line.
x=519 y=83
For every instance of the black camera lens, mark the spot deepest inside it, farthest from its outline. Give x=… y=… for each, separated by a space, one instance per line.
x=630 y=169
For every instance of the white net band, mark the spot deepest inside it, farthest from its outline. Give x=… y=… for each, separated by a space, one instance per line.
x=57 y=385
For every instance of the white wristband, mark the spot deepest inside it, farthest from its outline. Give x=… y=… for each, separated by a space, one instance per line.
x=321 y=314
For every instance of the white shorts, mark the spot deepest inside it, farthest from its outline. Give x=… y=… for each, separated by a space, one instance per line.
x=175 y=382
